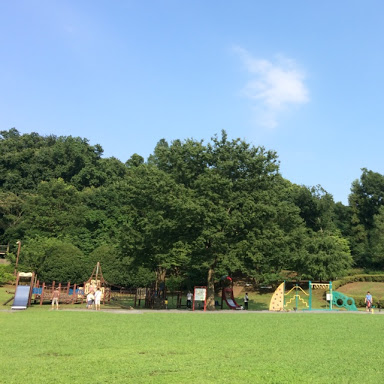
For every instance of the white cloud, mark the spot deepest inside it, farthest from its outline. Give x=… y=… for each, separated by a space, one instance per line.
x=273 y=86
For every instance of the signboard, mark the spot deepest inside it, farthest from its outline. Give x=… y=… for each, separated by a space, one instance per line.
x=200 y=294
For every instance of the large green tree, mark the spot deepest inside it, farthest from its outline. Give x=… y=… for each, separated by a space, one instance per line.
x=326 y=256
x=55 y=210
x=156 y=232
x=317 y=207
x=365 y=200
x=377 y=240
x=245 y=223
x=28 y=159
x=11 y=213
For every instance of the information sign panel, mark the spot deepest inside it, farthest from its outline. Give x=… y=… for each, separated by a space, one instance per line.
x=200 y=294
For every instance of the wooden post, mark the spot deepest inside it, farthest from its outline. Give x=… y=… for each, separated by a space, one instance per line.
x=222 y=295
x=97 y=271
x=17 y=280
x=74 y=296
x=68 y=285
x=53 y=287
x=82 y=296
x=31 y=288
x=59 y=292
x=18 y=255
x=42 y=294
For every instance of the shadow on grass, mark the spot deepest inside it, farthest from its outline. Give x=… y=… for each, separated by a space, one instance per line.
x=258 y=306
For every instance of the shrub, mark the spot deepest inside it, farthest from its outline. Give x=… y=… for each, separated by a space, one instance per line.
x=378 y=278
x=6 y=274
x=54 y=259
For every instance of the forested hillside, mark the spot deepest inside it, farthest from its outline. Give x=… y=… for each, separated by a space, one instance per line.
x=191 y=213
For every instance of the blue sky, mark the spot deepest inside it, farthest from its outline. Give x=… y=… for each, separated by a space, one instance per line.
x=304 y=78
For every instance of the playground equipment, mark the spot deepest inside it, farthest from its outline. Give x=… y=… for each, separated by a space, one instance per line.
x=97 y=281
x=131 y=298
x=155 y=298
x=295 y=297
x=68 y=294
x=227 y=296
x=227 y=293
x=72 y=294
x=342 y=301
x=23 y=293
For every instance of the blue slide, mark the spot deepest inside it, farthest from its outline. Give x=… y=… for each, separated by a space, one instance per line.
x=21 y=297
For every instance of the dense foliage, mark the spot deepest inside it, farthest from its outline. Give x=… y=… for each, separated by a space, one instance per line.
x=191 y=213
x=6 y=274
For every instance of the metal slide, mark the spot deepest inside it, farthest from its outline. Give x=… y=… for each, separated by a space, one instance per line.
x=229 y=299
x=21 y=297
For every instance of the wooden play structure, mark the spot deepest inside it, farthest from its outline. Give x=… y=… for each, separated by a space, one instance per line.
x=23 y=292
x=155 y=298
x=148 y=297
x=72 y=294
x=97 y=281
x=68 y=294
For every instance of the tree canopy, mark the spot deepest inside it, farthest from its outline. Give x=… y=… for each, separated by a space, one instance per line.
x=191 y=213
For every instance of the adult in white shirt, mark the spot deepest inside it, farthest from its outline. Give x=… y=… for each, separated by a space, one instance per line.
x=189 y=299
x=97 y=299
x=246 y=300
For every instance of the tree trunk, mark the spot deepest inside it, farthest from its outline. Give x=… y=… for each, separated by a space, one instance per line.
x=160 y=276
x=211 y=290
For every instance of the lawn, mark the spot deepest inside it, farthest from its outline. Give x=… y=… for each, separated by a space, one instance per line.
x=361 y=288
x=6 y=293
x=42 y=346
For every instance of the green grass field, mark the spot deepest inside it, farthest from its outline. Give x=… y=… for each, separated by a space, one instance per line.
x=42 y=346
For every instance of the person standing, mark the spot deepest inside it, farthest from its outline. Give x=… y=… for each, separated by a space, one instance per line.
x=97 y=299
x=246 y=299
x=55 y=298
x=90 y=300
x=368 y=302
x=189 y=299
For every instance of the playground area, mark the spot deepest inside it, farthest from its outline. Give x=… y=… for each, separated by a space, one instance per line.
x=296 y=297
x=288 y=296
